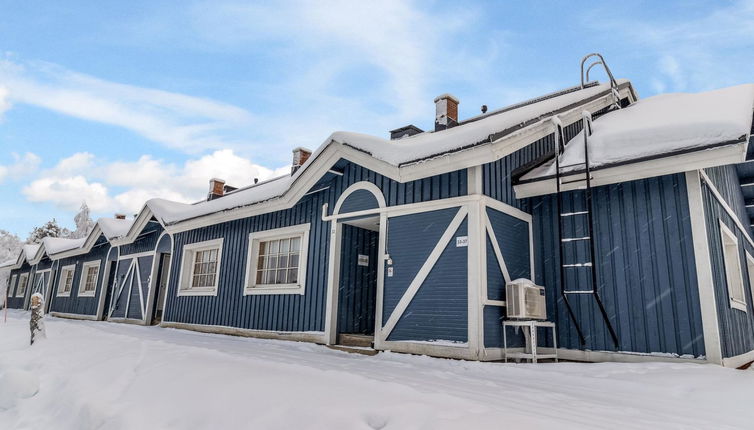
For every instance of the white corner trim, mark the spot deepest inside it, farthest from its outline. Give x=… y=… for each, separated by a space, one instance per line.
x=418 y=280
x=252 y=254
x=82 y=278
x=106 y=276
x=61 y=280
x=705 y=282
x=187 y=268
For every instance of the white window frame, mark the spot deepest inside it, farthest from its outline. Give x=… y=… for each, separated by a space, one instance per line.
x=82 y=279
x=250 y=286
x=12 y=286
x=733 y=275
x=20 y=277
x=187 y=268
x=60 y=292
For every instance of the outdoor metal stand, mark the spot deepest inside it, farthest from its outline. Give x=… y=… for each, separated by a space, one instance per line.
x=531 y=340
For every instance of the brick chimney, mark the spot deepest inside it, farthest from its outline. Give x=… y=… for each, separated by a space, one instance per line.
x=216 y=188
x=120 y=216
x=446 y=111
x=300 y=155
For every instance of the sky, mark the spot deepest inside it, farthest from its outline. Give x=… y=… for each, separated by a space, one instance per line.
x=126 y=101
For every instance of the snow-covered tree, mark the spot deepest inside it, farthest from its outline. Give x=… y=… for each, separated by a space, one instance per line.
x=49 y=229
x=10 y=246
x=84 y=223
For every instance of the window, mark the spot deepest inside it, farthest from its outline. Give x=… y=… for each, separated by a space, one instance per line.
x=23 y=280
x=88 y=282
x=65 y=284
x=733 y=274
x=200 y=268
x=276 y=262
x=12 y=284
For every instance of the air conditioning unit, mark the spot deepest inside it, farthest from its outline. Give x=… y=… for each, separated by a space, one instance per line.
x=525 y=300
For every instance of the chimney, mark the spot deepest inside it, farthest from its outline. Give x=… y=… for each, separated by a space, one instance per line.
x=120 y=216
x=300 y=155
x=446 y=111
x=216 y=188
x=409 y=130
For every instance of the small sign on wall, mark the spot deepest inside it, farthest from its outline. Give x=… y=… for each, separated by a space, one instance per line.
x=462 y=241
x=363 y=260
x=389 y=272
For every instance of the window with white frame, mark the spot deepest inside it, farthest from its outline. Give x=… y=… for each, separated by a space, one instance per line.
x=276 y=262
x=733 y=273
x=200 y=268
x=65 y=283
x=88 y=282
x=12 y=284
x=23 y=280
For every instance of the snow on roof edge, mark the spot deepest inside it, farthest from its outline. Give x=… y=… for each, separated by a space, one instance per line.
x=170 y=212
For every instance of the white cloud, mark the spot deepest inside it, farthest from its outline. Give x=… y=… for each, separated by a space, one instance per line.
x=124 y=186
x=4 y=101
x=710 y=50
x=23 y=165
x=175 y=120
x=69 y=192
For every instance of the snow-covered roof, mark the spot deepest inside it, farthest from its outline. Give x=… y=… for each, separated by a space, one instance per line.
x=170 y=212
x=426 y=145
x=405 y=151
x=56 y=245
x=113 y=227
x=658 y=125
x=30 y=250
x=8 y=263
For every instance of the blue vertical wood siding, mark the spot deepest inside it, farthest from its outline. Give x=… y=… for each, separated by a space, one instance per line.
x=287 y=312
x=18 y=302
x=726 y=180
x=512 y=236
x=358 y=284
x=736 y=326
x=74 y=304
x=359 y=200
x=439 y=310
x=497 y=181
x=646 y=268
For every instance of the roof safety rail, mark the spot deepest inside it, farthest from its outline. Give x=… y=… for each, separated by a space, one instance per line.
x=599 y=60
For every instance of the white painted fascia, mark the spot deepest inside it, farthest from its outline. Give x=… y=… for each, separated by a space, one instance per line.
x=729 y=154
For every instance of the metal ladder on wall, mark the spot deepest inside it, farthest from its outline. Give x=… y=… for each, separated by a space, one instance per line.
x=583 y=215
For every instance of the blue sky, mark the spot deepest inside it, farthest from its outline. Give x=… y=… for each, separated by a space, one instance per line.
x=126 y=101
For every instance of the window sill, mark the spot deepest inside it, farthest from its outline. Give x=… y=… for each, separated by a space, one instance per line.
x=271 y=290
x=735 y=304
x=198 y=292
x=63 y=295
x=89 y=294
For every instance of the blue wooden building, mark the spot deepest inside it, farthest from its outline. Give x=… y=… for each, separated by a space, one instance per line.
x=406 y=244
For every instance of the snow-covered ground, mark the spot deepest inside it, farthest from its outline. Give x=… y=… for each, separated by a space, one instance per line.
x=89 y=375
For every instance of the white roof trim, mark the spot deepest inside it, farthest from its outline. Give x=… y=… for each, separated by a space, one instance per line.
x=332 y=151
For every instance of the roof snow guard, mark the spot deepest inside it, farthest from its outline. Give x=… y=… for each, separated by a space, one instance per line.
x=685 y=131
